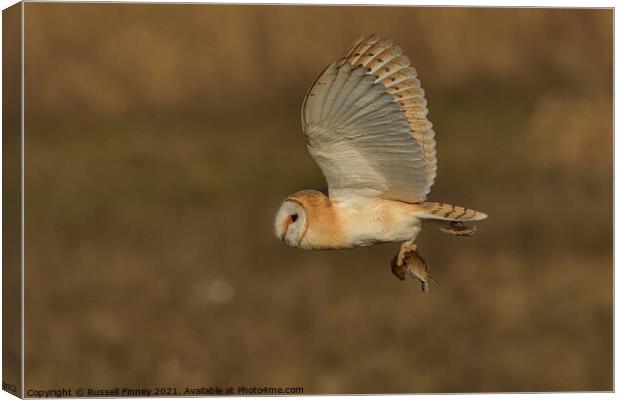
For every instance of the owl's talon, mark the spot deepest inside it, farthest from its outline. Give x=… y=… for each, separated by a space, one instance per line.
x=405 y=248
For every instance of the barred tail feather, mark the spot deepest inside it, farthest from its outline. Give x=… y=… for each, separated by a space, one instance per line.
x=449 y=212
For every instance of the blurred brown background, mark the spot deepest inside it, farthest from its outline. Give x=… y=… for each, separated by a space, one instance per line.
x=160 y=140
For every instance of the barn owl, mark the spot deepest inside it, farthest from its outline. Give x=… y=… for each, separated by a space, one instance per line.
x=365 y=124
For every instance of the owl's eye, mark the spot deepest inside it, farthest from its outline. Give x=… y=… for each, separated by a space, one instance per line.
x=294 y=217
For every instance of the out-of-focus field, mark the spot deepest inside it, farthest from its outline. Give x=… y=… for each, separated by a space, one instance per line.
x=160 y=140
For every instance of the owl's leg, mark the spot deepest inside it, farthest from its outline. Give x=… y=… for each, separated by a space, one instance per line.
x=405 y=248
x=398 y=264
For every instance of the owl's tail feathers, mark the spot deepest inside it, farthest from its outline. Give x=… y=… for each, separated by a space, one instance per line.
x=449 y=219
x=448 y=212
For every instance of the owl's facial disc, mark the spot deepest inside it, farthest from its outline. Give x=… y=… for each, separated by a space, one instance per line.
x=290 y=224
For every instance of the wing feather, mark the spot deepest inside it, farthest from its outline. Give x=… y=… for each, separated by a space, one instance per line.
x=366 y=127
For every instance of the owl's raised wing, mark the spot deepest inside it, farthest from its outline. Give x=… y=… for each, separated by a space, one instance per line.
x=366 y=127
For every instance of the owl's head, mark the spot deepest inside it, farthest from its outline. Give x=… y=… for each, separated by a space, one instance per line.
x=291 y=222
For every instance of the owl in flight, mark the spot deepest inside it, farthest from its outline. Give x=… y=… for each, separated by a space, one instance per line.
x=365 y=124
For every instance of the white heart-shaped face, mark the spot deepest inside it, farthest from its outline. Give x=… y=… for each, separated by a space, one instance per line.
x=290 y=224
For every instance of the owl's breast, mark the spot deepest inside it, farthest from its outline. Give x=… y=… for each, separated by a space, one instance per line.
x=371 y=221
